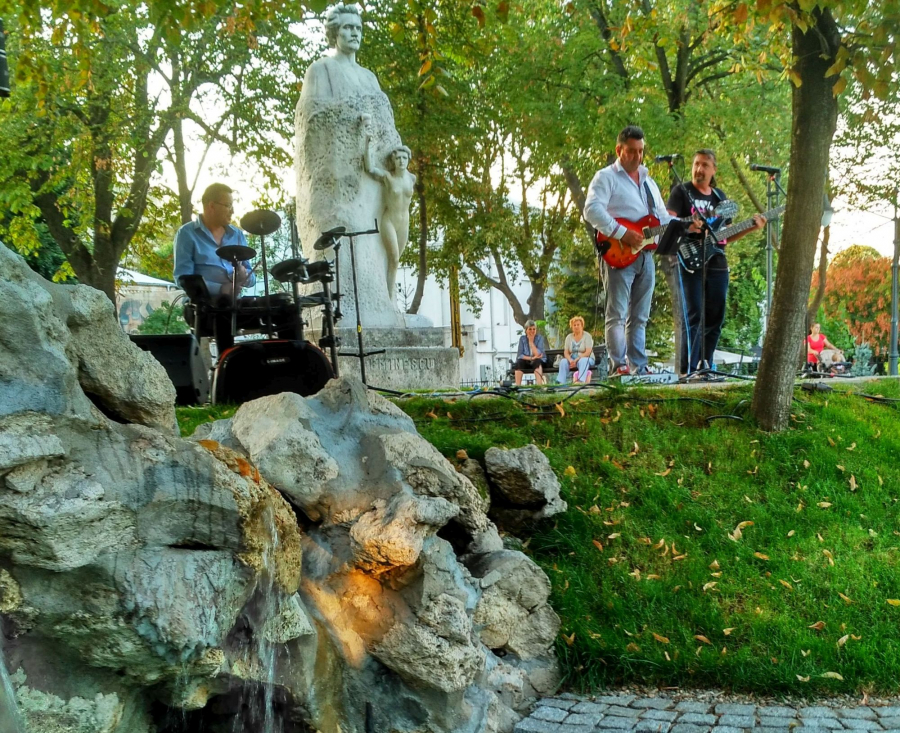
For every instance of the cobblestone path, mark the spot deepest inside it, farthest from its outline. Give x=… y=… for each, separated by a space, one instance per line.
x=630 y=713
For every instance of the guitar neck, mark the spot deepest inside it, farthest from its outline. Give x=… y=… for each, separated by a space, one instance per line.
x=730 y=231
x=651 y=232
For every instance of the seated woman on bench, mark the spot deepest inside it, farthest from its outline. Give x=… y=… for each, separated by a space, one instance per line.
x=531 y=354
x=578 y=356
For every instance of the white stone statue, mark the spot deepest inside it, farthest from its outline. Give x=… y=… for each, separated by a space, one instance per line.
x=343 y=117
x=397 y=190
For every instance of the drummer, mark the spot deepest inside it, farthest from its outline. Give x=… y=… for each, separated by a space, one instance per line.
x=195 y=254
x=196 y=243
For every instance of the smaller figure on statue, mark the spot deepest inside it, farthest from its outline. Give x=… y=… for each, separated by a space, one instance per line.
x=397 y=190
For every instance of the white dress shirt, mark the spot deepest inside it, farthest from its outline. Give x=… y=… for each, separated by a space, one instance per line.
x=614 y=194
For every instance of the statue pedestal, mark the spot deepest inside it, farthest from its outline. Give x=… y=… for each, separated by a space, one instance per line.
x=414 y=358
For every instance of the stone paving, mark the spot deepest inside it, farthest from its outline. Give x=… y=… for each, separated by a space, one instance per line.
x=568 y=713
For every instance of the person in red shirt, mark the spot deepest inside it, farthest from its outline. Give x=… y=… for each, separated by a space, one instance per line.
x=815 y=342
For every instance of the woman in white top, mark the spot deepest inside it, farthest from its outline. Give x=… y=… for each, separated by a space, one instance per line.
x=578 y=356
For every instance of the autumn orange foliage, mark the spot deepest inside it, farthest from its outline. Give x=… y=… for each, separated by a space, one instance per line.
x=858 y=291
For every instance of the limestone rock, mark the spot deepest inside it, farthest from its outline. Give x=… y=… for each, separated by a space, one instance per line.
x=513 y=613
x=274 y=432
x=105 y=355
x=391 y=535
x=525 y=487
x=419 y=654
x=140 y=571
x=63 y=343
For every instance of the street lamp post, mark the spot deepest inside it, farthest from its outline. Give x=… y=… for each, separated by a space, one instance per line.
x=895 y=269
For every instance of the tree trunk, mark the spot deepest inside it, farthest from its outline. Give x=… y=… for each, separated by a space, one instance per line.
x=184 y=190
x=423 y=241
x=814 y=118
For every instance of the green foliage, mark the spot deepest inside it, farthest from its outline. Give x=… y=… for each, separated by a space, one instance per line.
x=165 y=319
x=100 y=98
x=662 y=487
x=862 y=360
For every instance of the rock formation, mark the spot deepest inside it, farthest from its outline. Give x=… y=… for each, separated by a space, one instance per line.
x=275 y=573
x=523 y=486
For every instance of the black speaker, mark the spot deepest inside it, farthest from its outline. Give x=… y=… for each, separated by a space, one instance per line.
x=254 y=369
x=183 y=359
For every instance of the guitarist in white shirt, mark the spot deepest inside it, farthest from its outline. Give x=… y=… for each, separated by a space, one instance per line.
x=698 y=198
x=625 y=190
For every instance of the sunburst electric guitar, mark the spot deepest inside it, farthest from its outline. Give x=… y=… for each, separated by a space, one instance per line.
x=618 y=255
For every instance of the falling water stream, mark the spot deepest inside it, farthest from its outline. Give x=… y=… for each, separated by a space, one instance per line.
x=261 y=651
x=9 y=711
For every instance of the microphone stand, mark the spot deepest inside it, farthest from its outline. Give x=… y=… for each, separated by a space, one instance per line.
x=703 y=366
x=295 y=285
x=773 y=229
x=680 y=340
x=361 y=353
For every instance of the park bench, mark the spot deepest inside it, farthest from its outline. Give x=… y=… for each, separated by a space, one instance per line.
x=600 y=369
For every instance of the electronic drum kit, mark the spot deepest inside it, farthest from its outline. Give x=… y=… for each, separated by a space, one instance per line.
x=252 y=369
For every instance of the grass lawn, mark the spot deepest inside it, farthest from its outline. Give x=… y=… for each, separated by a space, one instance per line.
x=653 y=579
x=699 y=551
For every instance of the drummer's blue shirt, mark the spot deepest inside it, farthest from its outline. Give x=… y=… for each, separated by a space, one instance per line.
x=195 y=254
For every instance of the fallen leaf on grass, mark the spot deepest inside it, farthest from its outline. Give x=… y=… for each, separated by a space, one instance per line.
x=760 y=555
x=880 y=481
x=665 y=473
x=632 y=647
x=714 y=565
x=635 y=451
x=852 y=446
x=805 y=464
x=660 y=639
x=818 y=626
x=462 y=455
x=786 y=584
x=570 y=471
x=893 y=601
x=700 y=637
x=831 y=442
x=840 y=468
x=431 y=414
x=802 y=679
x=728 y=631
x=598 y=545
x=832 y=676
x=562 y=410
x=852 y=482
x=806 y=652
x=613 y=535
x=830 y=557
x=845 y=599
x=842 y=640
x=824 y=504
x=710 y=585
x=791 y=533
x=569 y=639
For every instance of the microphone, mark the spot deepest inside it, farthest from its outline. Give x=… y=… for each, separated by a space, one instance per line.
x=765 y=169
x=666 y=158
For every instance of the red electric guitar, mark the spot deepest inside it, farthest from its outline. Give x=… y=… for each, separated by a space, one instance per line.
x=620 y=255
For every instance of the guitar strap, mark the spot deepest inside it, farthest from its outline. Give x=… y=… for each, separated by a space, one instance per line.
x=649 y=193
